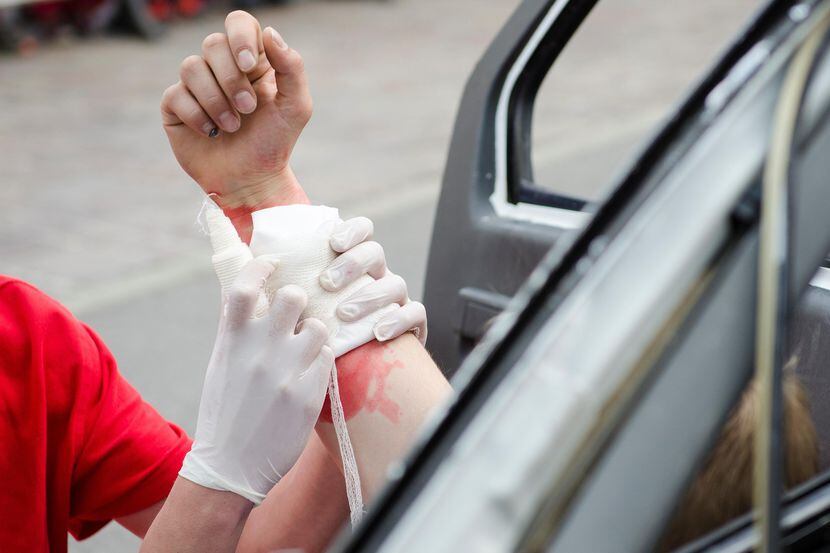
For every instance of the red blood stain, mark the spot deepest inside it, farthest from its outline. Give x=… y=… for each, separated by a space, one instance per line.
x=361 y=377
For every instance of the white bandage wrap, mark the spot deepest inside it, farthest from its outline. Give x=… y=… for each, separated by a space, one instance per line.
x=298 y=235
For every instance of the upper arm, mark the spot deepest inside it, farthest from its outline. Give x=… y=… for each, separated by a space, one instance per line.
x=101 y=452
x=388 y=390
x=128 y=455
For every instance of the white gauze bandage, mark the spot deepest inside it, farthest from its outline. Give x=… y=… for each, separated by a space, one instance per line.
x=298 y=235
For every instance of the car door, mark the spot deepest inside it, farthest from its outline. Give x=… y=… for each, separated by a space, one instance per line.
x=583 y=413
x=546 y=120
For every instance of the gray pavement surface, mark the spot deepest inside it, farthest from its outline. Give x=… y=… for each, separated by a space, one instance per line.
x=98 y=214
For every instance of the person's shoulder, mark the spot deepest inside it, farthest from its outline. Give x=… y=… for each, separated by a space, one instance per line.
x=12 y=283
x=14 y=286
x=30 y=318
x=26 y=300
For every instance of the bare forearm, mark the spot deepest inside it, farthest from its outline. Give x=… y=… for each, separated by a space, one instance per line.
x=388 y=390
x=303 y=511
x=197 y=519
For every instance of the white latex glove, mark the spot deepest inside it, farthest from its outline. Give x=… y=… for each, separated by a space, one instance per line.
x=359 y=256
x=263 y=390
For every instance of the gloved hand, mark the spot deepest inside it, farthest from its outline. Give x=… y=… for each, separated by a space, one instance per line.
x=263 y=390
x=359 y=256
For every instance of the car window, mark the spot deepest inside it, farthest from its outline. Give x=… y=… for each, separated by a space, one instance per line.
x=628 y=63
x=727 y=467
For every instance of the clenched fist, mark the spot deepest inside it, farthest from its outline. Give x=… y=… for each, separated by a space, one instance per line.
x=235 y=115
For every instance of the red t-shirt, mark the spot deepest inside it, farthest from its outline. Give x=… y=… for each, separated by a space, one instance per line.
x=78 y=445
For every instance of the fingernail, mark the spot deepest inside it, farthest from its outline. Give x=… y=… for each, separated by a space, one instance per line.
x=229 y=121
x=331 y=278
x=347 y=311
x=245 y=102
x=210 y=130
x=247 y=61
x=383 y=331
x=277 y=38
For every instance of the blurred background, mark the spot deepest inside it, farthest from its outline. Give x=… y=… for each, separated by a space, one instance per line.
x=98 y=214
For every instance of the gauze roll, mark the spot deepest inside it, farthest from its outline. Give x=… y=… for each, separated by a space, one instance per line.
x=298 y=235
x=230 y=254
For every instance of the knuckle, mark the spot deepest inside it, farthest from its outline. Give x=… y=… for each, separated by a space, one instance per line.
x=194 y=116
x=169 y=93
x=419 y=313
x=243 y=292
x=229 y=82
x=398 y=282
x=292 y=296
x=377 y=251
x=295 y=62
x=365 y=223
x=305 y=108
x=237 y=14
x=190 y=65
x=215 y=101
x=213 y=40
x=316 y=329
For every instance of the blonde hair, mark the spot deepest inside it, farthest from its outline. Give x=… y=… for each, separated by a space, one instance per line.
x=722 y=490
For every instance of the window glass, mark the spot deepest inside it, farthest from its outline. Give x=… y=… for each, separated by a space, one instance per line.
x=626 y=66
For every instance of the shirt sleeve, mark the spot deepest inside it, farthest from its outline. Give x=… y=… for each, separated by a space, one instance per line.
x=128 y=454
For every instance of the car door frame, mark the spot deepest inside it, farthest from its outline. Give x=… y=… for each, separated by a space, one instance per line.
x=466 y=284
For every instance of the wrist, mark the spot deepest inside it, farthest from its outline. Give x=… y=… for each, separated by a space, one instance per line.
x=195 y=518
x=219 y=479
x=215 y=507
x=280 y=188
